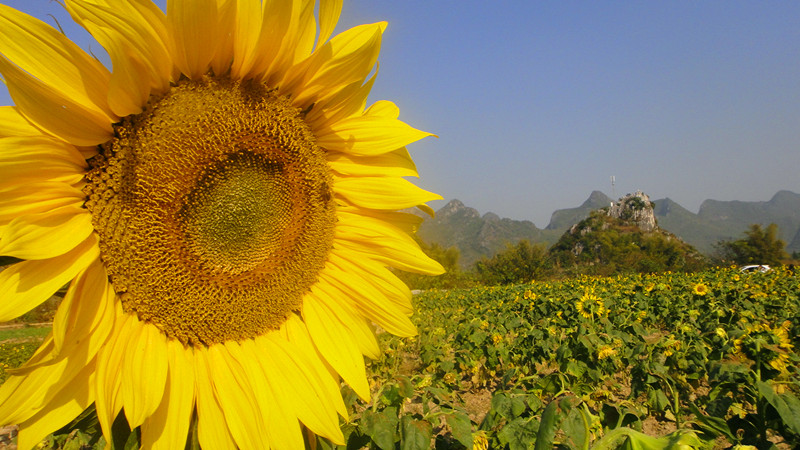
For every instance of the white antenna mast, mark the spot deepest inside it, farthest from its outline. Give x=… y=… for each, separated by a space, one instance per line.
x=613 y=192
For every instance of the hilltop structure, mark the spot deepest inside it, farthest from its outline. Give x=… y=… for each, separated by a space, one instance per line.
x=623 y=237
x=635 y=208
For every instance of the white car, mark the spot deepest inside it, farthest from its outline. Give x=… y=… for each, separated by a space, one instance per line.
x=756 y=268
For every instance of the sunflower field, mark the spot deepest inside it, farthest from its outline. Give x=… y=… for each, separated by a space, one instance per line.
x=671 y=360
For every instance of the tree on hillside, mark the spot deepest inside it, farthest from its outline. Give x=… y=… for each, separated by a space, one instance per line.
x=520 y=263
x=759 y=246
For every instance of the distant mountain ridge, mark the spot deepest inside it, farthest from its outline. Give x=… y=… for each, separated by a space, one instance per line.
x=479 y=236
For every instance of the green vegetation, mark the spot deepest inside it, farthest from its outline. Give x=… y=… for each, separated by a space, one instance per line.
x=603 y=245
x=702 y=360
x=520 y=263
x=17 y=345
x=599 y=245
x=759 y=246
x=23 y=333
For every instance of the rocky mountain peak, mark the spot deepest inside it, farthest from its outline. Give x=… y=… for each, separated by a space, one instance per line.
x=596 y=200
x=636 y=208
x=456 y=208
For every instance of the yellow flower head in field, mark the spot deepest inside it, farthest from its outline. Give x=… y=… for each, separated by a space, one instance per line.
x=223 y=206
x=605 y=351
x=769 y=345
x=700 y=289
x=671 y=345
x=480 y=441
x=590 y=305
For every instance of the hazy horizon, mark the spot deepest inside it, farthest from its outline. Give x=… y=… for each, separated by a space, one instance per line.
x=441 y=203
x=537 y=104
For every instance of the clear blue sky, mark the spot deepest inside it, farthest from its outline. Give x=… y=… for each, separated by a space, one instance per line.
x=537 y=103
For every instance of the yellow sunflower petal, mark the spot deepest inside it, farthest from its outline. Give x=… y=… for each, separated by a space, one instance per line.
x=295 y=376
x=34 y=198
x=406 y=222
x=306 y=31
x=193 y=25
x=168 y=427
x=369 y=301
x=276 y=408
x=404 y=258
x=368 y=135
x=23 y=397
x=349 y=101
x=211 y=429
x=234 y=394
x=379 y=277
x=384 y=109
x=397 y=163
x=329 y=11
x=26 y=284
x=34 y=159
x=297 y=334
x=53 y=111
x=53 y=59
x=12 y=123
x=426 y=209
x=385 y=243
x=60 y=410
x=382 y=193
x=226 y=20
x=46 y=235
x=85 y=315
x=8 y=402
x=137 y=39
x=108 y=379
x=348 y=57
x=247 y=29
x=334 y=343
x=280 y=47
x=144 y=372
x=352 y=321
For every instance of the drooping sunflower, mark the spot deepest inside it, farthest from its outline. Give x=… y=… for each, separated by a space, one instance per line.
x=765 y=344
x=224 y=208
x=590 y=305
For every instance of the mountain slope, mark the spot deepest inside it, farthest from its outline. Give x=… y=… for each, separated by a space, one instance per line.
x=479 y=236
x=565 y=218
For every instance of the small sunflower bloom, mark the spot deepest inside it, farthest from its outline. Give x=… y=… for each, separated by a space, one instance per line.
x=700 y=289
x=224 y=206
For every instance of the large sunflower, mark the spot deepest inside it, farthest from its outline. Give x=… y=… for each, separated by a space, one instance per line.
x=223 y=207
